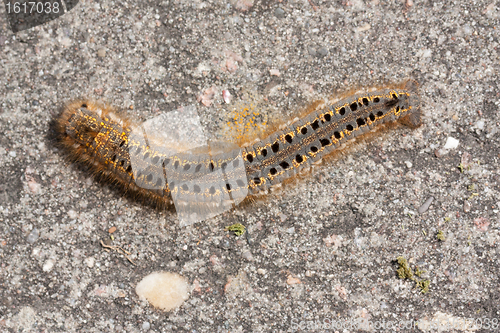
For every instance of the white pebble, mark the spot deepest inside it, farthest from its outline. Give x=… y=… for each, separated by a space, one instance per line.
x=274 y=72
x=48 y=265
x=90 y=262
x=480 y=124
x=163 y=290
x=451 y=143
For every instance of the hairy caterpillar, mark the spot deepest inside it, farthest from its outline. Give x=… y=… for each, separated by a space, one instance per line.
x=208 y=180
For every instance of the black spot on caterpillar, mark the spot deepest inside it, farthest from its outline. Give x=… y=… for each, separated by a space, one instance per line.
x=95 y=135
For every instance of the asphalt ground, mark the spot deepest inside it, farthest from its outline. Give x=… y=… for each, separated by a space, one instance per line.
x=319 y=253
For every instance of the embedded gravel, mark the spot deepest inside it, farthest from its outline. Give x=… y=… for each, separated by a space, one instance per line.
x=318 y=253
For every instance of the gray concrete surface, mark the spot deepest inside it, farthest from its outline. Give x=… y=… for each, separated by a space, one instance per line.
x=323 y=249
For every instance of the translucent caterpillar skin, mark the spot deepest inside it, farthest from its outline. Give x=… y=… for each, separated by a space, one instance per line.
x=93 y=134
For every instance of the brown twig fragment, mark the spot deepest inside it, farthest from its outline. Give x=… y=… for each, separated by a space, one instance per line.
x=118 y=249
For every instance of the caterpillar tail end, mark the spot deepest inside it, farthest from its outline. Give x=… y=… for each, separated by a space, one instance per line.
x=414 y=118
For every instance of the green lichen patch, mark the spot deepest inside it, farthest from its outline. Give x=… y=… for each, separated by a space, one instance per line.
x=237 y=228
x=418 y=272
x=423 y=285
x=405 y=272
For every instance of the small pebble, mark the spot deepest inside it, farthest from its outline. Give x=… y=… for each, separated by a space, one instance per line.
x=279 y=13
x=243 y=5
x=146 y=326
x=261 y=271
x=90 y=262
x=164 y=290
x=283 y=217
x=226 y=95
x=480 y=124
x=72 y=214
x=34 y=187
x=247 y=255
x=467 y=206
x=364 y=27
x=101 y=53
x=207 y=97
x=112 y=229
x=48 y=265
x=323 y=51
x=274 y=72
x=441 y=152
x=451 y=143
x=33 y=236
x=196 y=286
x=408 y=164
x=291 y=280
x=425 y=206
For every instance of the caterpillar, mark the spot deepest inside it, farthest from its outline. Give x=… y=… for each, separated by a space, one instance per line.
x=207 y=180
